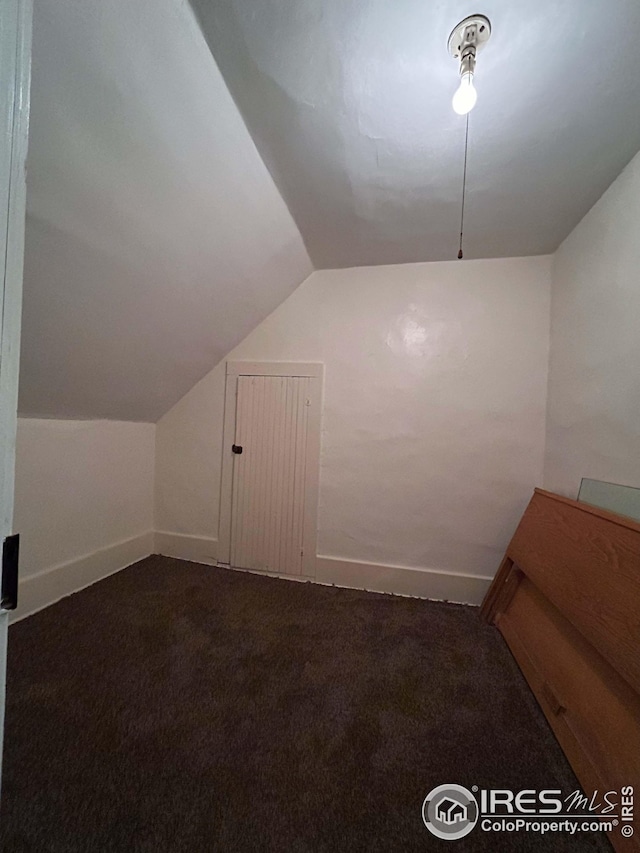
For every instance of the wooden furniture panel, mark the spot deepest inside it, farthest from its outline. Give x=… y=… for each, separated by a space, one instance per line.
x=587 y=562
x=566 y=598
x=582 y=696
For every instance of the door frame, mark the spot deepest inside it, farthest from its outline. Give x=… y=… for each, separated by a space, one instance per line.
x=293 y=369
x=15 y=73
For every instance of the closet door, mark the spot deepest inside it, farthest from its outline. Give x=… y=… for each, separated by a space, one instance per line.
x=270 y=472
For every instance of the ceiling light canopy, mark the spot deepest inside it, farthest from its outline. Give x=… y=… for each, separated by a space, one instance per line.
x=465 y=42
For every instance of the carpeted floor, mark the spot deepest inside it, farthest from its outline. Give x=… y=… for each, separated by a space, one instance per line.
x=176 y=707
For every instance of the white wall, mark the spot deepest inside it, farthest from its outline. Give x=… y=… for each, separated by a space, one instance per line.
x=83 y=503
x=593 y=420
x=433 y=421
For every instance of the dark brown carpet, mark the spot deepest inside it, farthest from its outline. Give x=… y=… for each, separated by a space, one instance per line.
x=175 y=707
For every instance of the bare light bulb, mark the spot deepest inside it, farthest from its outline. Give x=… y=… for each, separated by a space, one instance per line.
x=466 y=96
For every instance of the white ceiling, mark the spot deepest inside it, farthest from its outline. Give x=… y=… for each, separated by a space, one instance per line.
x=156 y=239
x=349 y=102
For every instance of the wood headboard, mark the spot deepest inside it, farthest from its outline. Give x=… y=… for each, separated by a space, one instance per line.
x=567 y=601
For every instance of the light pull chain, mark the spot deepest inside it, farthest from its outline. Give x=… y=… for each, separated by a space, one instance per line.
x=464 y=187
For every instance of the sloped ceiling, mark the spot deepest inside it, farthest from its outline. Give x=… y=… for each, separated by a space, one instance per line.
x=156 y=238
x=349 y=102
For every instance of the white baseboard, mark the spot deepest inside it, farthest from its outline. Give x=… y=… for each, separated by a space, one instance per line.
x=196 y=549
x=401 y=580
x=50 y=585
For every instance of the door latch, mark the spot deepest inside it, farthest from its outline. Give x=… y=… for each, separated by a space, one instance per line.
x=9 y=590
x=236 y=448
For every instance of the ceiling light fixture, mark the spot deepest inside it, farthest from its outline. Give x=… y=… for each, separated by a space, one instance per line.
x=464 y=44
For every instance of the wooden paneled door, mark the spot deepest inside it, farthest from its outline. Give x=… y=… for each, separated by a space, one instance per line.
x=271 y=451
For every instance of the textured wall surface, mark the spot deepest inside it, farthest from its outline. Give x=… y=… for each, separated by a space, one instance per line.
x=593 y=420
x=433 y=418
x=80 y=486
